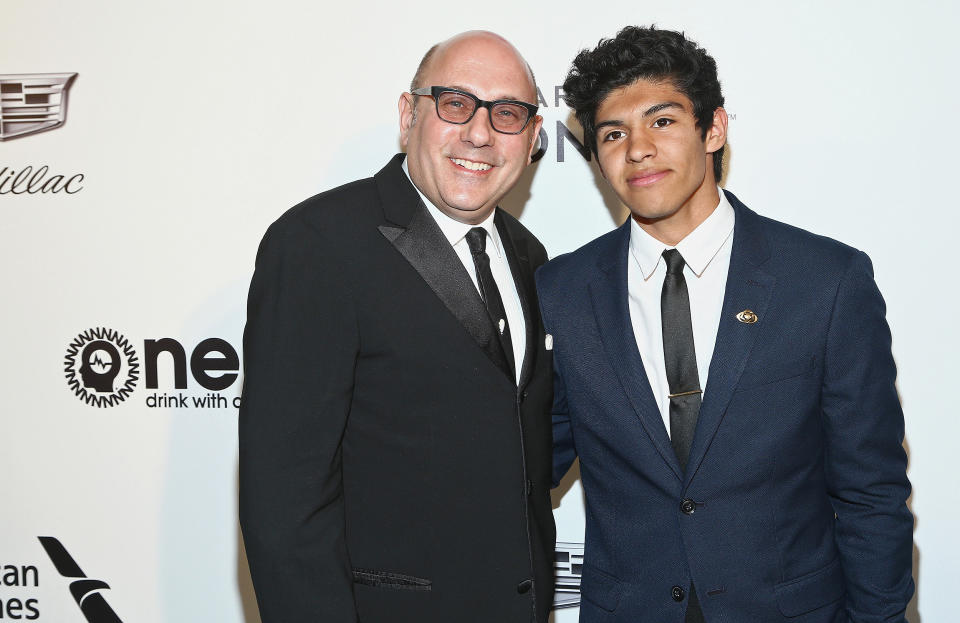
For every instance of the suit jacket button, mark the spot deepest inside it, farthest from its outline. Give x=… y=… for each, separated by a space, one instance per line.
x=677 y=593
x=524 y=586
x=688 y=506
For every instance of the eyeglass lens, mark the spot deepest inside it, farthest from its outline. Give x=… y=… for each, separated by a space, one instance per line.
x=458 y=108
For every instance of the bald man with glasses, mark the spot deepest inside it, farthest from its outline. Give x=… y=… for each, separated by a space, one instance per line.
x=395 y=445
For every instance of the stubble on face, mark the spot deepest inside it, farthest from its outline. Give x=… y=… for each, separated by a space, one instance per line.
x=464 y=170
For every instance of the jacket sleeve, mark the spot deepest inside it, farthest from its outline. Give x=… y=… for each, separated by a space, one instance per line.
x=300 y=344
x=865 y=460
x=564 y=451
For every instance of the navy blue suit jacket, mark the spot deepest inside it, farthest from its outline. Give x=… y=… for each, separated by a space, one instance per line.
x=797 y=469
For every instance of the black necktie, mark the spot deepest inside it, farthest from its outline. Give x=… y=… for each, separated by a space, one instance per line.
x=680 y=358
x=477 y=241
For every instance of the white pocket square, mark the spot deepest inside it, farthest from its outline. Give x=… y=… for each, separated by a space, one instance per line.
x=548 y=342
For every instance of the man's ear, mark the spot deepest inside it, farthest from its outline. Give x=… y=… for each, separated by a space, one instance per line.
x=717 y=133
x=405 y=107
x=537 y=124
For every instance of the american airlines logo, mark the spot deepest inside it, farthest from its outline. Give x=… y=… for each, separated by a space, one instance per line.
x=31 y=103
x=86 y=591
x=567 y=569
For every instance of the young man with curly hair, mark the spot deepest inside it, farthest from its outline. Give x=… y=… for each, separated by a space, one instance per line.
x=726 y=380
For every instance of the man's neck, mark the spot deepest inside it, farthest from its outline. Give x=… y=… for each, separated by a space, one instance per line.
x=670 y=230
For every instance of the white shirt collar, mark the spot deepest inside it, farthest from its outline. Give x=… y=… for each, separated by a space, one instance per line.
x=698 y=248
x=454 y=230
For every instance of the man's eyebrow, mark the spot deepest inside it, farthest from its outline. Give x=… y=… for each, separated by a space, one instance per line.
x=502 y=97
x=607 y=122
x=662 y=106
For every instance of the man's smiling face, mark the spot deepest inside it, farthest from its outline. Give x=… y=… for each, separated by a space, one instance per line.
x=464 y=170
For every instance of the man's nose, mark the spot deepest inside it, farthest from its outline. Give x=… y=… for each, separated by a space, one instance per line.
x=479 y=130
x=640 y=146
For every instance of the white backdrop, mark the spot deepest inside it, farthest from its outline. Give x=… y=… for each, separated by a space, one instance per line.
x=195 y=124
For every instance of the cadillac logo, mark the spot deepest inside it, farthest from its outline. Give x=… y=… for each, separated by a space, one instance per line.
x=568 y=565
x=31 y=103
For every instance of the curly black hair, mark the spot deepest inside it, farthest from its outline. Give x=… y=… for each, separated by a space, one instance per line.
x=639 y=53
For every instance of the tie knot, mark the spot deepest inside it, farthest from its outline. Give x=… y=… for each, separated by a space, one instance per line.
x=674 y=261
x=477 y=240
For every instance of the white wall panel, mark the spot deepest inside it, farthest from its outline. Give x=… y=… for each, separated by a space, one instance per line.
x=196 y=124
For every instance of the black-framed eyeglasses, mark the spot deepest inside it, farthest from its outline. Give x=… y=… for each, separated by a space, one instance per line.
x=456 y=106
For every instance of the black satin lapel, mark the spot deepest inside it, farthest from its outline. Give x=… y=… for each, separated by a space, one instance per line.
x=612 y=310
x=748 y=287
x=519 y=260
x=429 y=252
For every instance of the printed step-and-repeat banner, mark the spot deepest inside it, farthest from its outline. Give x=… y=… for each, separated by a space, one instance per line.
x=145 y=147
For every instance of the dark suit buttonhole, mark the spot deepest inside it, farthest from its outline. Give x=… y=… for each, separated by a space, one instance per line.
x=716 y=591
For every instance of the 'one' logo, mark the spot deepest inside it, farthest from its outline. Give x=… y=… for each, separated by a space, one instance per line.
x=101 y=367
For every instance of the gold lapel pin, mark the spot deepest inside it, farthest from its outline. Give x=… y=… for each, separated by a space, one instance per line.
x=747 y=317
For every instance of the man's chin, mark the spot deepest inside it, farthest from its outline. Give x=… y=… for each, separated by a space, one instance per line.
x=466 y=212
x=651 y=216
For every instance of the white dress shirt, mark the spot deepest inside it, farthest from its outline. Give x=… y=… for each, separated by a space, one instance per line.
x=706 y=251
x=456 y=233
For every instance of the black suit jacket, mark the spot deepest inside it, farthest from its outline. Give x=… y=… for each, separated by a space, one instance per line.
x=390 y=467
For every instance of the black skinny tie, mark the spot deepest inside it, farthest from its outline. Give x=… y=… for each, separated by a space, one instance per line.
x=680 y=358
x=477 y=241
